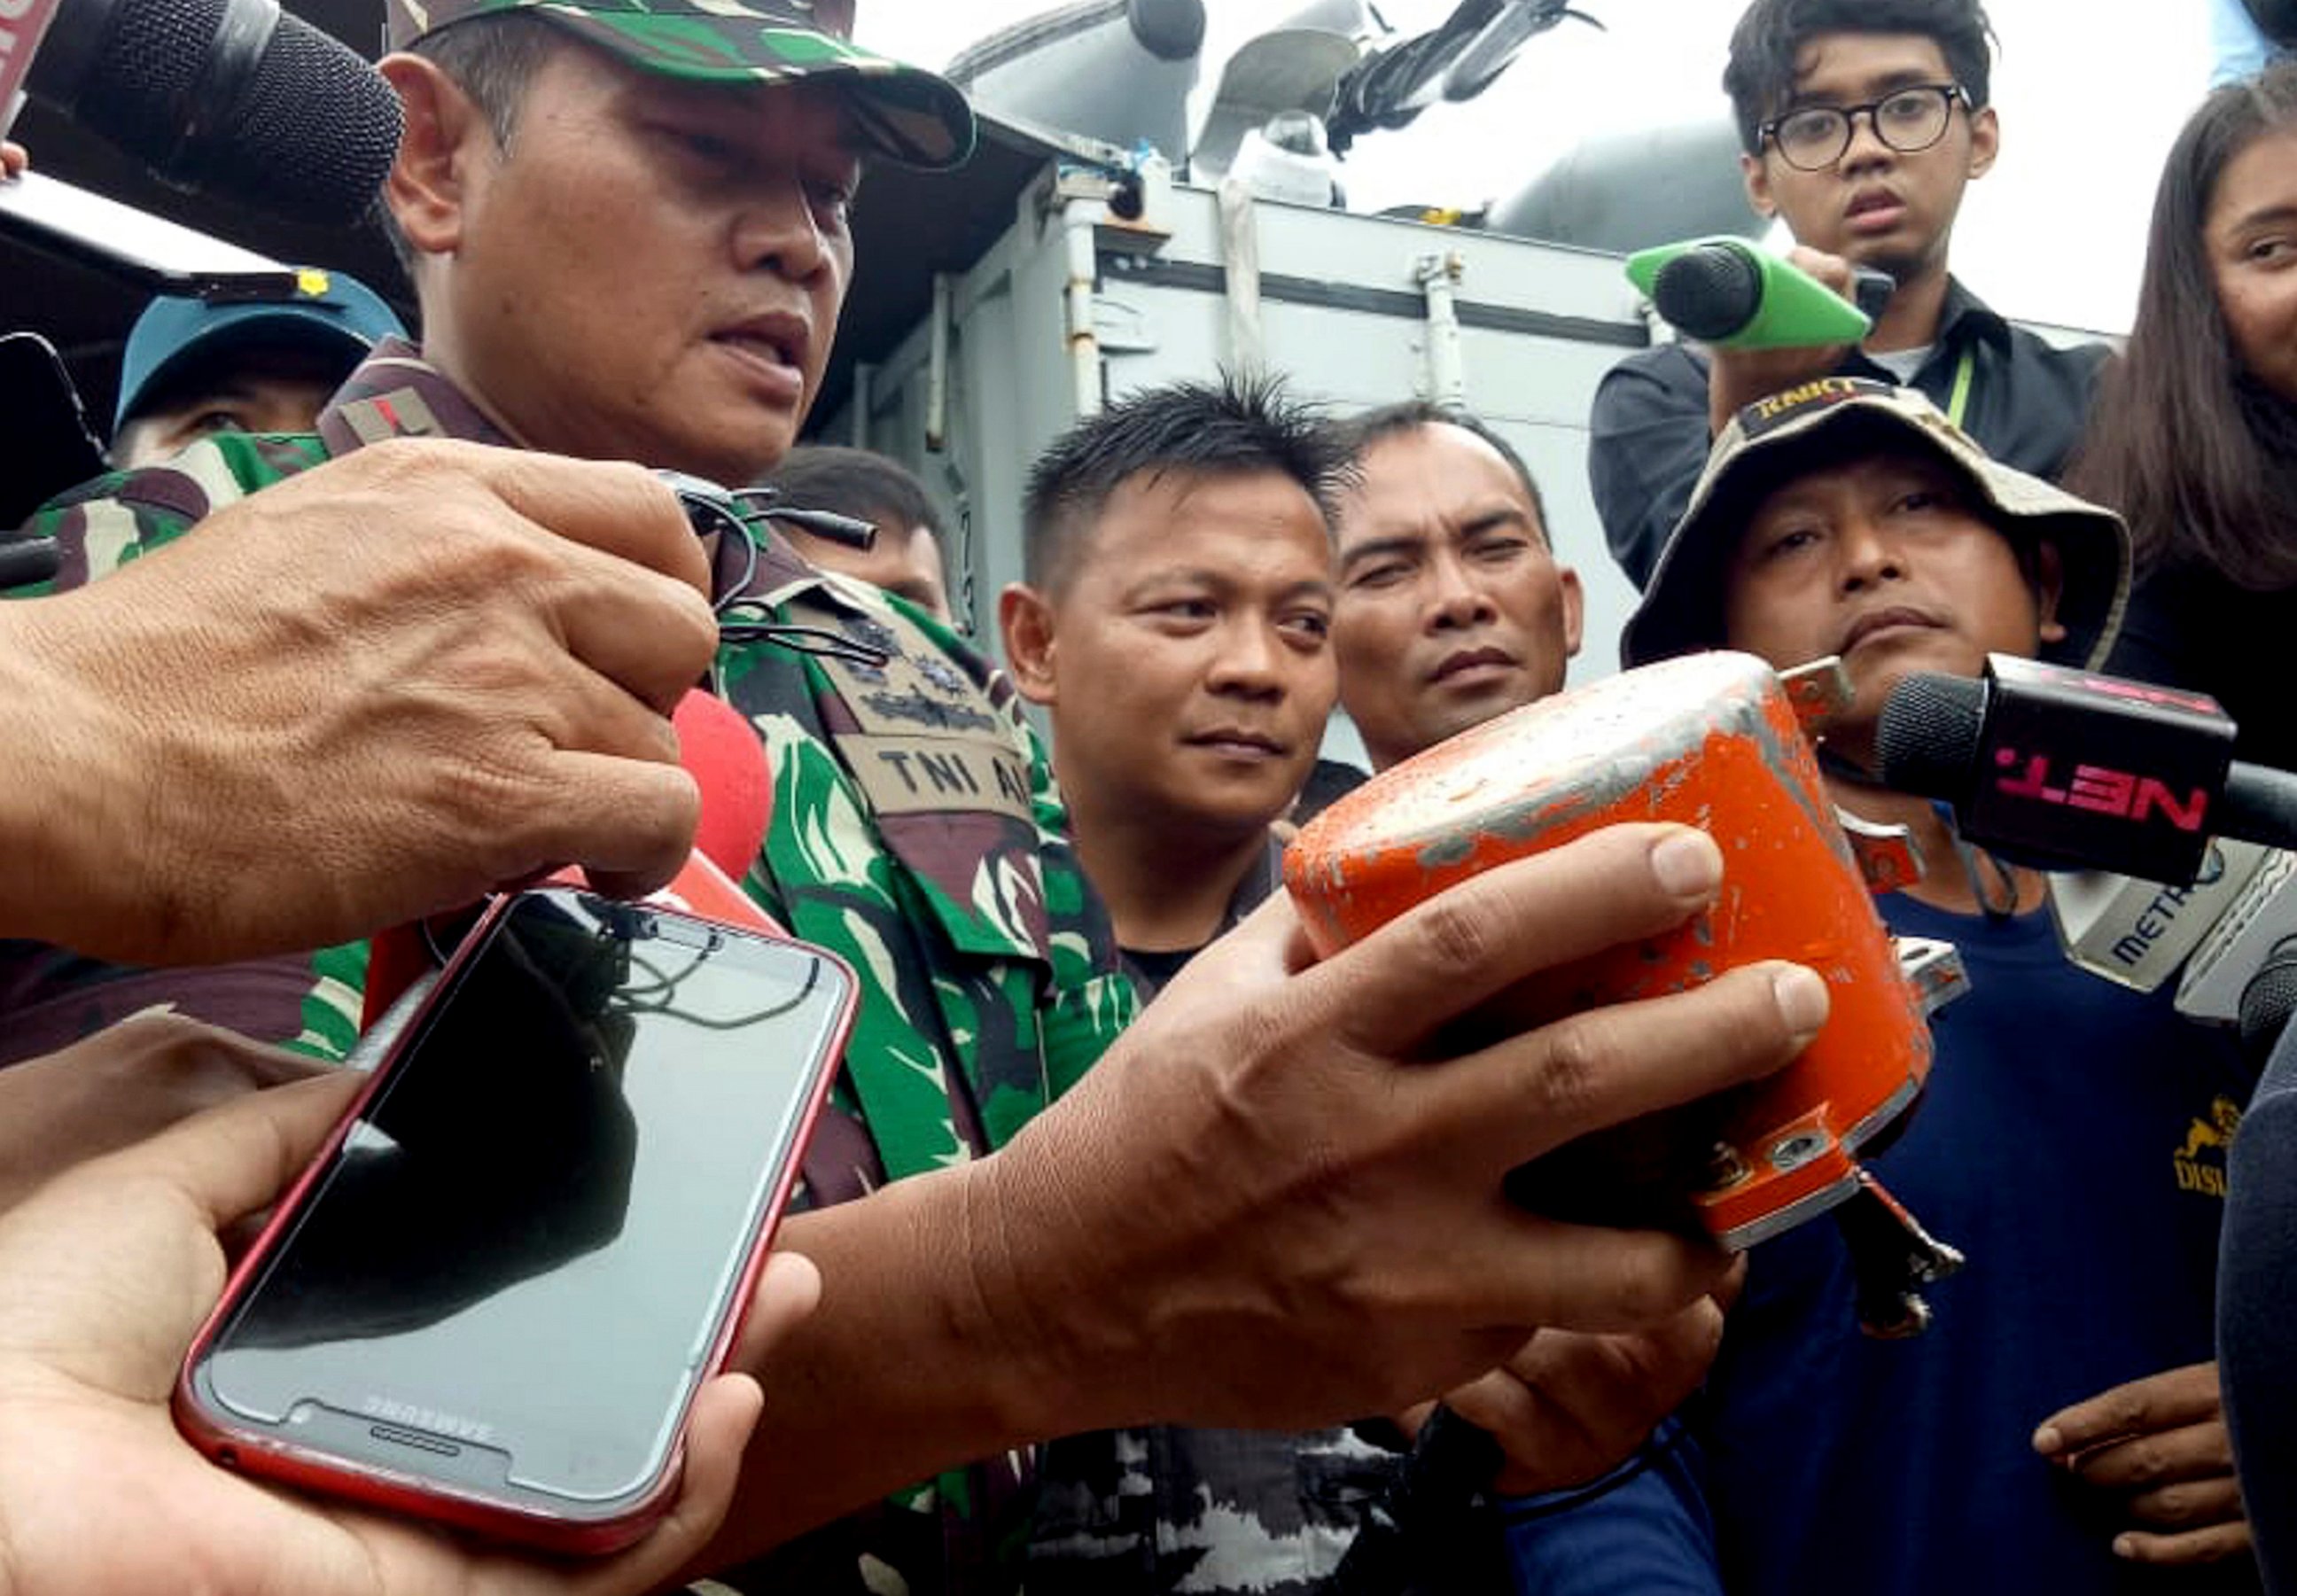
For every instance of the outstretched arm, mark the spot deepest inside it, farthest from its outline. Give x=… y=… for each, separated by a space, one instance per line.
x=1274 y=1202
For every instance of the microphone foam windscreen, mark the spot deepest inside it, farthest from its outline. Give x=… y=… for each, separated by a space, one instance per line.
x=1707 y=291
x=723 y=753
x=142 y=71
x=308 y=135
x=315 y=97
x=1929 y=732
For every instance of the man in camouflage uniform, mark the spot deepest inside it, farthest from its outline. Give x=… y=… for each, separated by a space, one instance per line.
x=1266 y=1206
x=916 y=830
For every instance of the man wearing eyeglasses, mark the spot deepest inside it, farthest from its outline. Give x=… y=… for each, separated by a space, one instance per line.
x=1861 y=123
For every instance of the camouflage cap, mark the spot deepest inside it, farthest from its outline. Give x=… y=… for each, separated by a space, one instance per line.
x=1832 y=421
x=907 y=115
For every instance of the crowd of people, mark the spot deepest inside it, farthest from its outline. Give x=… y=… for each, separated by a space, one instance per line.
x=1138 y=1249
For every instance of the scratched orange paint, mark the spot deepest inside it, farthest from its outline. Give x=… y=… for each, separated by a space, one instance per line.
x=1712 y=742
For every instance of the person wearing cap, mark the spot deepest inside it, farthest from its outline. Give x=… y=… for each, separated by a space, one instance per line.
x=1862 y=124
x=627 y=230
x=194 y=366
x=548 y=148
x=2059 y=1421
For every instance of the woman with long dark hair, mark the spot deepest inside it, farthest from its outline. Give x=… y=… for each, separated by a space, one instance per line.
x=2194 y=440
x=2194 y=436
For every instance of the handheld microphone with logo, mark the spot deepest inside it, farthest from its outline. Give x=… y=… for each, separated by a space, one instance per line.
x=229 y=97
x=2066 y=770
x=2138 y=933
x=1725 y=291
x=2069 y=770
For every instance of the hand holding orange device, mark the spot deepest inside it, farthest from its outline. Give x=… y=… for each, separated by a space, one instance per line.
x=1714 y=741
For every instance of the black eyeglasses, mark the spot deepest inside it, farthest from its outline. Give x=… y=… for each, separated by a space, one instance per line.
x=1906 y=119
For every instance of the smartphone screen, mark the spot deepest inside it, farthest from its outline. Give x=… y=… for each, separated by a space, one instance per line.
x=514 y=1270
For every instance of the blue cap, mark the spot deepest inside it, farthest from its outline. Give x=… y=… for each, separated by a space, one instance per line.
x=329 y=314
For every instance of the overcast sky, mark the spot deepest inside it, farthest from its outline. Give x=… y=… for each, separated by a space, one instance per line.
x=2088 y=100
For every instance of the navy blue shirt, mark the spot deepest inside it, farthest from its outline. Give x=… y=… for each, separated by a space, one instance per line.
x=2072 y=1142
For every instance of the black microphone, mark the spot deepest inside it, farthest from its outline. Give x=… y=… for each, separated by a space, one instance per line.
x=228 y=97
x=2067 y=770
x=1727 y=292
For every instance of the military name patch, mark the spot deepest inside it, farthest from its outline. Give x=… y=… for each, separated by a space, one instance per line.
x=909 y=776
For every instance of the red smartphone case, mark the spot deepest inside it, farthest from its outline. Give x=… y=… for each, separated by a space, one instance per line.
x=701 y=892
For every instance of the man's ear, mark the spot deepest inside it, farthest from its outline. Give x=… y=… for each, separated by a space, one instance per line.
x=1757 y=178
x=1025 y=620
x=445 y=132
x=1985 y=140
x=2049 y=579
x=1575 y=606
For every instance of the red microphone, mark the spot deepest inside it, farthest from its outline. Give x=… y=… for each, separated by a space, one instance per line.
x=723 y=753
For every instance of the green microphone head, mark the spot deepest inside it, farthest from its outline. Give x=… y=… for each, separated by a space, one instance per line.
x=1725 y=291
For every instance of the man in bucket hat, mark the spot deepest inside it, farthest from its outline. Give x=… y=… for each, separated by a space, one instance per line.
x=628 y=232
x=2031 y=1439
x=2074 y=555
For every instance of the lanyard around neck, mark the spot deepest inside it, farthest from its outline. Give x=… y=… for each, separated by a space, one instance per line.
x=1958 y=397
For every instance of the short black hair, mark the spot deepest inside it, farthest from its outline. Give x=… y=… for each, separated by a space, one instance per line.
x=1240 y=423
x=853 y=481
x=1768 y=41
x=492 y=59
x=1358 y=433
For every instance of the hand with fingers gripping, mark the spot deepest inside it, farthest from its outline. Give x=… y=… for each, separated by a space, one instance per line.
x=393 y=682
x=1286 y=1165
x=1277 y=1201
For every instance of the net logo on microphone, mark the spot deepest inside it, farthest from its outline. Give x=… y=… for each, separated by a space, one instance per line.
x=2101 y=790
x=2065 y=773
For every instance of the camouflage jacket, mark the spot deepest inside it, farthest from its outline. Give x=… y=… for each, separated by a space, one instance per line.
x=1165 y=1509
x=917 y=834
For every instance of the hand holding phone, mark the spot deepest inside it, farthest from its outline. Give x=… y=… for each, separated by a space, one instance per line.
x=493 y=1297
x=104 y=1275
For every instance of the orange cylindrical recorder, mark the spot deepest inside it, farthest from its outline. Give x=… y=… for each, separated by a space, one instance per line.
x=1715 y=741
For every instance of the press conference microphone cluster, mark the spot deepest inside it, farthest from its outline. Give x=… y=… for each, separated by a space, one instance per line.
x=1727 y=292
x=2069 y=771
x=228 y=97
